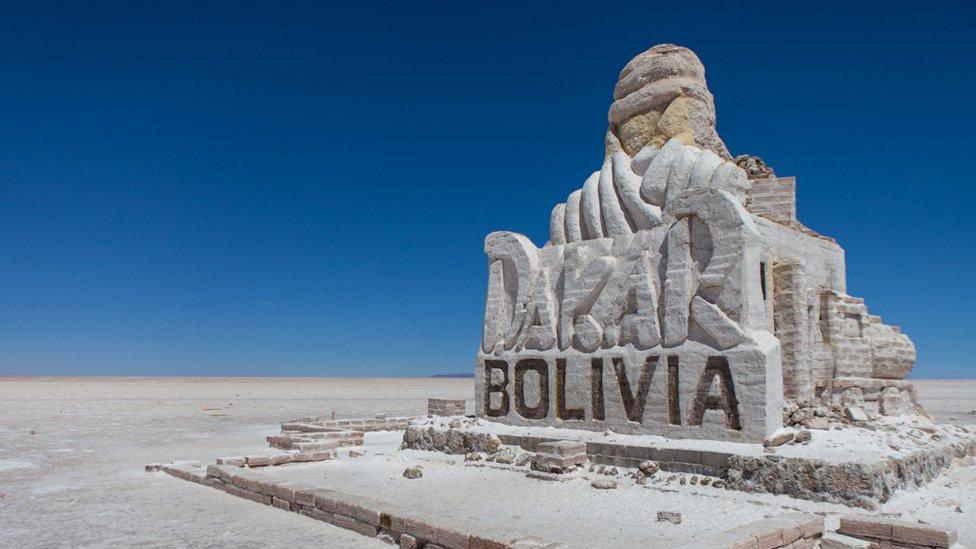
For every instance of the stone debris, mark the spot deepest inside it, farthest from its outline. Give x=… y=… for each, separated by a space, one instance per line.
x=604 y=484
x=819 y=423
x=669 y=516
x=649 y=468
x=153 y=467
x=754 y=167
x=855 y=414
x=778 y=438
x=506 y=456
x=802 y=436
x=472 y=456
x=413 y=472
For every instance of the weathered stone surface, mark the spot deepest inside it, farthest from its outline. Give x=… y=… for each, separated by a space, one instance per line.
x=661 y=94
x=669 y=516
x=413 y=472
x=754 y=166
x=857 y=484
x=604 y=484
x=649 y=468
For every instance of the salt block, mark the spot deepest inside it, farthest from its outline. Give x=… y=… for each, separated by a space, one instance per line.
x=562 y=448
x=833 y=540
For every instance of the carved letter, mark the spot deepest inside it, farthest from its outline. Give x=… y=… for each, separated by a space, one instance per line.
x=596 y=388
x=580 y=293
x=716 y=392
x=679 y=284
x=540 y=366
x=514 y=263
x=639 y=324
x=562 y=412
x=539 y=331
x=492 y=387
x=674 y=404
x=634 y=403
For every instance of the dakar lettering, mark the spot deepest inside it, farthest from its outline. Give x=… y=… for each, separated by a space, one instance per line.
x=546 y=381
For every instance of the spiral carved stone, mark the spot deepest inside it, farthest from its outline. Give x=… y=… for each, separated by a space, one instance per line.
x=632 y=194
x=661 y=94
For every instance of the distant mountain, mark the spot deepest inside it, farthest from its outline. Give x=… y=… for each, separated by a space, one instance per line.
x=469 y=374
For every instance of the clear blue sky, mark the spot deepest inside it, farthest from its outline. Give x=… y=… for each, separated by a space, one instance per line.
x=304 y=189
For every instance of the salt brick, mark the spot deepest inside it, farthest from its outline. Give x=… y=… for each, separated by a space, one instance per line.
x=920 y=534
x=325 y=499
x=477 y=542
x=408 y=542
x=865 y=526
x=832 y=540
x=769 y=539
x=562 y=448
x=419 y=529
x=803 y=543
x=280 y=503
x=450 y=538
x=359 y=509
x=257 y=461
x=281 y=459
x=356 y=526
x=284 y=490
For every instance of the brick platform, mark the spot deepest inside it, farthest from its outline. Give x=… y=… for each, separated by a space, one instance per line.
x=446 y=407
x=858 y=482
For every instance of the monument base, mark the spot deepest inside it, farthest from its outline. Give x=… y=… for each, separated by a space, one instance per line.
x=851 y=465
x=478 y=488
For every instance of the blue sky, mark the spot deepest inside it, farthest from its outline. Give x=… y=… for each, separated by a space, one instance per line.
x=304 y=189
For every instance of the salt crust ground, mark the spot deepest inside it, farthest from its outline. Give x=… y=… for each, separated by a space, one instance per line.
x=79 y=481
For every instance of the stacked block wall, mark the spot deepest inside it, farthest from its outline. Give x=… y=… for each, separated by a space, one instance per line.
x=773 y=198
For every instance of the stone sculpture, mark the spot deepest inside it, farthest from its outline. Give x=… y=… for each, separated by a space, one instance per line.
x=678 y=294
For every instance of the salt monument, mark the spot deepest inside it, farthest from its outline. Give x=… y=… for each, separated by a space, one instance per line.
x=678 y=294
x=678 y=316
